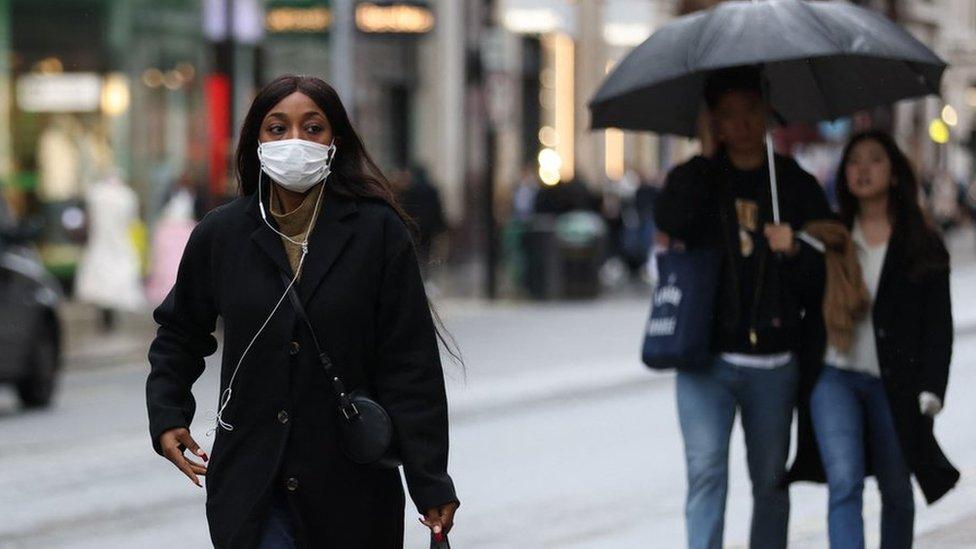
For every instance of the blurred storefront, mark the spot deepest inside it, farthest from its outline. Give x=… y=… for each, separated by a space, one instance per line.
x=564 y=50
x=296 y=37
x=96 y=87
x=389 y=55
x=404 y=60
x=937 y=131
x=156 y=89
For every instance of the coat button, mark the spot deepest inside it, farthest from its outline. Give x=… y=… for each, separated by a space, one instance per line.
x=293 y=348
x=291 y=484
x=282 y=417
x=881 y=333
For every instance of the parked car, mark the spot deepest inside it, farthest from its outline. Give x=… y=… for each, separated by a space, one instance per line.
x=30 y=328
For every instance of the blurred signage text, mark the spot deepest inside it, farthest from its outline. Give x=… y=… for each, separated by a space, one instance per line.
x=296 y=19
x=394 y=18
x=539 y=16
x=65 y=92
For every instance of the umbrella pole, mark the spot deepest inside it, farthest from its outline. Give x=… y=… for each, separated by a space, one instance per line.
x=770 y=153
x=773 y=184
x=774 y=192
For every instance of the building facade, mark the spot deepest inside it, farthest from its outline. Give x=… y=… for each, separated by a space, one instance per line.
x=476 y=91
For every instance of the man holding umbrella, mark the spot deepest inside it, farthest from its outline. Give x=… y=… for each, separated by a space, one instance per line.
x=766 y=280
x=810 y=61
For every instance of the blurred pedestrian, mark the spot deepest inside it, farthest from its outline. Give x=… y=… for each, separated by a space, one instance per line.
x=169 y=237
x=188 y=187
x=109 y=274
x=568 y=196
x=645 y=199
x=525 y=193
x=422 y=202
x=518 y=224
x=636 y=228
x=884 y=377
x=318 y=226
x=767 y=279
x=946 y=199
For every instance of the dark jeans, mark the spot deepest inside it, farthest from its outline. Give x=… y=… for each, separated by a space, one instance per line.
x=842 y=405
x=279 y=530
x=707 y=404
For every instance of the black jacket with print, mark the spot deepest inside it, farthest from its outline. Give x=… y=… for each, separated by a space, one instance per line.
x=697 y=207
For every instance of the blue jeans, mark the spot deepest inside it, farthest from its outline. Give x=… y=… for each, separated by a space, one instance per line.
x=707 y=403
x=842 y=406
x=279 y=529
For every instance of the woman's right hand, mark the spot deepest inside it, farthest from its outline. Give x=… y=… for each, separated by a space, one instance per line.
x=177 y=441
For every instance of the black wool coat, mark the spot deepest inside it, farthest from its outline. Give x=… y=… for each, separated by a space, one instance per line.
x=362 y=289
x=913 y=332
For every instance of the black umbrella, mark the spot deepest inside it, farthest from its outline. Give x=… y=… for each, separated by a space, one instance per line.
x=818 y=61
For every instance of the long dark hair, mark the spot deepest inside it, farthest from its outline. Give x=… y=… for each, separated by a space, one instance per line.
x=924 y=249
x=354 y=173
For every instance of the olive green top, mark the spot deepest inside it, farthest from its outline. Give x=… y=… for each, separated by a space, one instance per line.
x=296 y=222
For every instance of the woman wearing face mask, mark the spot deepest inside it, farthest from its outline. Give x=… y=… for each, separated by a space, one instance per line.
x=317 y=215
x=873 y=404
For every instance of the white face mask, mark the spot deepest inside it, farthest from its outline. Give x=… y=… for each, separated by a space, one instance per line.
x=296 y=164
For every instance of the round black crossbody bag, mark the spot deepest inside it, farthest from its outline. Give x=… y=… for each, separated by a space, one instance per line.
x=367 y=435
x=367 y=432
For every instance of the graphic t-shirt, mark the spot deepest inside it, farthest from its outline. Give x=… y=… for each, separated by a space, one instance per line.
x=750 y=197
x=746 y=187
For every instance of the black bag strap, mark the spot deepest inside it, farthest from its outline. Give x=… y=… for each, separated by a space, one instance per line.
x=346 y=406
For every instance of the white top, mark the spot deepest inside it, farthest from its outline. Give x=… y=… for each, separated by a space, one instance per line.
x=767 y=362
x=863 y=355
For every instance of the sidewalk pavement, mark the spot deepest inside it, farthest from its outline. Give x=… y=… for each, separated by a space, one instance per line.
x=87 y=345
x=959 y=534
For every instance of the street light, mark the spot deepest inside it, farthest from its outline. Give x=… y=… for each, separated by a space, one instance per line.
x=939 y=131
x=949 y=115
x=115 y=94
x=549 y=166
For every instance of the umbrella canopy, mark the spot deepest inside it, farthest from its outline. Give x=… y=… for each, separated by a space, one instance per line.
x=818 y=60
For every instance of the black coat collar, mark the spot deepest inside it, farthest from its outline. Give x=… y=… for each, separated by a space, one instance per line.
x=329 y=236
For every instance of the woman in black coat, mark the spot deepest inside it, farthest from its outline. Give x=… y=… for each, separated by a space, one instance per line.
x=870 y=408
x=278 y=477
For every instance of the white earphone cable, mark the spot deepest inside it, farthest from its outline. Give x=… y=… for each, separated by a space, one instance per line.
x=228 y=393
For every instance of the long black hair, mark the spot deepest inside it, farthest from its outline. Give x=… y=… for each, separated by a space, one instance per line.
x=925 y=251
x=354 y=173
